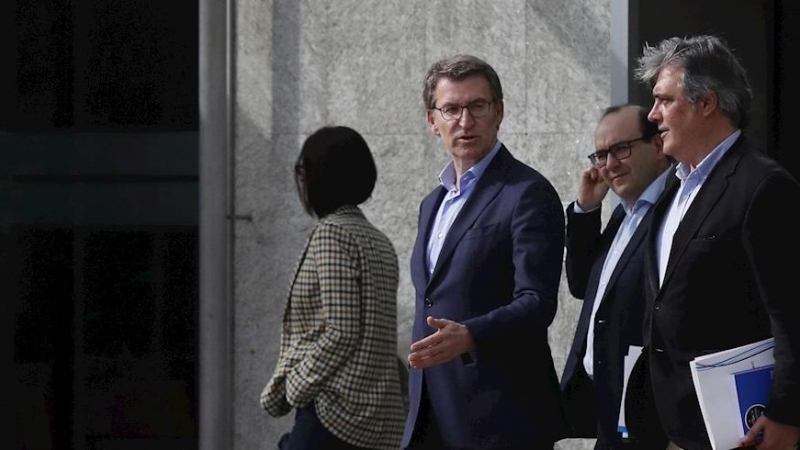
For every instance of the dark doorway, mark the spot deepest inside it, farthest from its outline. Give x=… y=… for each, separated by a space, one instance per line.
x=99 y=224
x=784 y=48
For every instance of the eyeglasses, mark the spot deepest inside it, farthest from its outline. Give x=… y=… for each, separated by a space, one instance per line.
x=454 y=112
x=619 y=151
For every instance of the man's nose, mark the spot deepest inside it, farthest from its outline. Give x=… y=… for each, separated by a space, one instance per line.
x=611 y=160
x=466 y=120
x=653 y=115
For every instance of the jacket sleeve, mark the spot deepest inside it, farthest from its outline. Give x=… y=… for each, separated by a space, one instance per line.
x=537 y=258
x=771 y=241
x=582 y=242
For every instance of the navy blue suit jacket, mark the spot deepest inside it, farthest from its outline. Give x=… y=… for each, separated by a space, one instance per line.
x=593 y=405
x=498 y=274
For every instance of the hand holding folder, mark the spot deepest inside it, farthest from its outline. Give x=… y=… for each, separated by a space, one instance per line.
x=733 y=389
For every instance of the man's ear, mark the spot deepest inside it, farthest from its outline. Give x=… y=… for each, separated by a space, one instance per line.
x=432 y=122
x=500 y=108
x=708 y=103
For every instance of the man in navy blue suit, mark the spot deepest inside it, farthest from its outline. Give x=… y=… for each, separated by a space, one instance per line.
x=486 y=267
x=606 y=269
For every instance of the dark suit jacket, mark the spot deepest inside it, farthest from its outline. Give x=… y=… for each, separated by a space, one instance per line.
x=497 y=273
x=618 y=323
x=731 y=280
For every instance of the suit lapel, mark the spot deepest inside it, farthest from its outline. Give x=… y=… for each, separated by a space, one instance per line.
x=597 y=268
x=712 y=189
x=427 y=213
x=490 y=184
x=658 y=211
x=593 y=282
x=633 y=244
x=302 y=257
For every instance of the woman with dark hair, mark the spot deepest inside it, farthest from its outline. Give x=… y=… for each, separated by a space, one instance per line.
x=338 y=364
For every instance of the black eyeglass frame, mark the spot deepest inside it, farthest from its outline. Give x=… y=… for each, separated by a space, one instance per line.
x=620 y=151
x=468 y=106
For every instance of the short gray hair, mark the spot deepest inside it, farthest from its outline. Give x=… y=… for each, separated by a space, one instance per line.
x=708 y=66
x=459 y=67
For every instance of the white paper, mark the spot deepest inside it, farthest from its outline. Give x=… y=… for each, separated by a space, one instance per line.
x=716 y=392
x=630 y=359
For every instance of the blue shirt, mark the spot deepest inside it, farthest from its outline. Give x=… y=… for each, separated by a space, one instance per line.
x=633 y=217
x=692 y=180
x=453 y=201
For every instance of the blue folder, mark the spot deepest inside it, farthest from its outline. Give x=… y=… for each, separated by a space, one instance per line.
x=752 y=390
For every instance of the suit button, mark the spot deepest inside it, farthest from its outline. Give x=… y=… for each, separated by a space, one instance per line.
x=428 y=303
x=657 y=306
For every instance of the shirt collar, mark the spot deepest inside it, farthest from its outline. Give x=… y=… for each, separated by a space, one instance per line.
x=650 y=194
x=447 y=177
x=707 y=164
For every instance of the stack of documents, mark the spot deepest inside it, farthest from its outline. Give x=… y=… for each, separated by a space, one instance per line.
x=733 y=389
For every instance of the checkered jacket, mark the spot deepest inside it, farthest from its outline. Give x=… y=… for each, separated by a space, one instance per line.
x=339 y=338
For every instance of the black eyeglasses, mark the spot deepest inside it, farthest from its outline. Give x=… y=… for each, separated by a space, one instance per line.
x=454 y=112
x=619 y=151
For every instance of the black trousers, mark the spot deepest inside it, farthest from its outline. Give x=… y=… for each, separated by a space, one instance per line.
x=308 y=433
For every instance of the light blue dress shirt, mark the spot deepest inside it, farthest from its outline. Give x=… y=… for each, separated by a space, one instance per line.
x=692 y=180
x=633 y=217
x=453 y=201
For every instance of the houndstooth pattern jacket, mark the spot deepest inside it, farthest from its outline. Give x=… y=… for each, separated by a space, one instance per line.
x=339 y=338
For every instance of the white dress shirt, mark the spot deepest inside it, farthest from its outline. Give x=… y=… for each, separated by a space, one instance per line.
x=692 y=180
